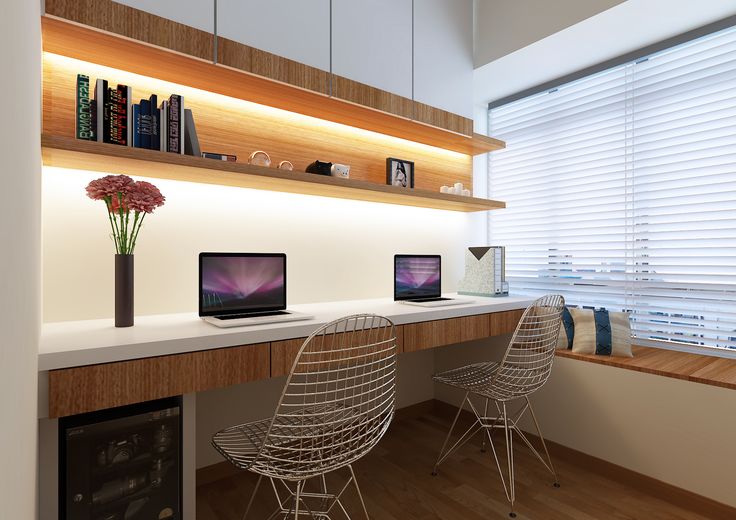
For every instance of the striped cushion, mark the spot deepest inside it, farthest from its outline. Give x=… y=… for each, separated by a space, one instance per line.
x=567 y=330
x=601 y=332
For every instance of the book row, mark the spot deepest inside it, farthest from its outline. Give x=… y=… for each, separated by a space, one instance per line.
x=108 y=115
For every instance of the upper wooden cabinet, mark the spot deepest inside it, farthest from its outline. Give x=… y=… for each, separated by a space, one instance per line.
x=199 y=14
x=170 y=30
x=372 y=53
x=298 y=30
x=377 y=54
x=443 y=59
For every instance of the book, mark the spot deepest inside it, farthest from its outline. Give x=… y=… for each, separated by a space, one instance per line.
x=85 y=120
x=191 y=141
x=163 y=130
x=155 y=141
x=126 y=94
x=100 y=102
x=175 y=123
x=137 y=126
x=145 y=127
x=116 y=117
x=220 y=156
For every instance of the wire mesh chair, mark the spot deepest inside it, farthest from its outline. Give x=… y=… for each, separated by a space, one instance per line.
x=524 y=368
x=337 y=404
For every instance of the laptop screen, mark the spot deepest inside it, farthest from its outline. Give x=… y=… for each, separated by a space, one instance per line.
x=232 y=283
x=416 y=276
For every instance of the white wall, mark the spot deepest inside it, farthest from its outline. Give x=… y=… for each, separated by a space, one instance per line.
x=20 y=129
x=621 y=29
x=501 y=27
x=675 y=431
x=336 y=249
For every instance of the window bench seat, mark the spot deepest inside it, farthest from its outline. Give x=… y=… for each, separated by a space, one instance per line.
x=709 y=370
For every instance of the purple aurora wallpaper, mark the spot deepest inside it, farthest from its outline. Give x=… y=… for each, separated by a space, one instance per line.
x=417 y=277
x=242 y=283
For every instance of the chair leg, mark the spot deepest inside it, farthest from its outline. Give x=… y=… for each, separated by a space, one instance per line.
x=447 y=439
x=544 y=444
x=360 y=495
x=509 y=457
x=485 y=414
x=252 y=497
x=298 y=498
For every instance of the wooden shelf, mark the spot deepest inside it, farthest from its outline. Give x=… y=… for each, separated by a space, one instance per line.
x=66 y=152
x=103 y=48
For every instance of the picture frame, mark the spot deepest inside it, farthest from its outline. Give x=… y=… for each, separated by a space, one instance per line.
x=400 y=173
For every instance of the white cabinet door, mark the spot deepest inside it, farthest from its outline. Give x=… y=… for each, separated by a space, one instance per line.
x=371 y=43
x=199 y=14
x=295 y=29
x=443 y=54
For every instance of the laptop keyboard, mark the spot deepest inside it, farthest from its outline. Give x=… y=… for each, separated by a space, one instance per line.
x=251 y=315
x=422 y=300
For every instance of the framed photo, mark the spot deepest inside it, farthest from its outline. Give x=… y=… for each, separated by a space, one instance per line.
x=399 y=173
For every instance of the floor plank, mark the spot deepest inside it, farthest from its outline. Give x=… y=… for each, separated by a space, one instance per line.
x=397 y=485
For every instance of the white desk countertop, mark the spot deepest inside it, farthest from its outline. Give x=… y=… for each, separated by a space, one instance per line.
x=77 y=343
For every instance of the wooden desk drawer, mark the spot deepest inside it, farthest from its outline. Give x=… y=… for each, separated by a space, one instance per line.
x=283 y=353
x=431 y=334
x=96 y=387
x=505 y=322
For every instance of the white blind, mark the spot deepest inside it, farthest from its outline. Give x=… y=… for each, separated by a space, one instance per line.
x=621 y=192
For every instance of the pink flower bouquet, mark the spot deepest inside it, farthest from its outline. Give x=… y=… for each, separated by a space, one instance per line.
x=123 y=196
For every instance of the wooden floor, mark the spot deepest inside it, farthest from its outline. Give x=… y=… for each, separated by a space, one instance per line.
x=397 y=485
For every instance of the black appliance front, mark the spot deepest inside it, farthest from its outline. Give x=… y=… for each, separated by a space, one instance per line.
x=122 y=463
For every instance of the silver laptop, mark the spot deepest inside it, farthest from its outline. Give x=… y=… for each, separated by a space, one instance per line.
x=238 y=289
x=418 y=281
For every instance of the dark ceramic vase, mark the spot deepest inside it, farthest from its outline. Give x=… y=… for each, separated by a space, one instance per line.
x=124 y=290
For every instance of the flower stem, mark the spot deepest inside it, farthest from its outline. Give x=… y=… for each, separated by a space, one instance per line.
x=135 y=235
x=122 y=236
x=113 y=223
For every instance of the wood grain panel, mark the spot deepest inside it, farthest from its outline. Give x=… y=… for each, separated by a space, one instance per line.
x=225 y=125
x=65 y=152
x=438 y=333
x=256 y=61
x=283 y=353
x=139 y=25
x=505 y=322
x=372 y=97
x=152 y=62
x=96 y=387
x=698 y=368
x=443 y=119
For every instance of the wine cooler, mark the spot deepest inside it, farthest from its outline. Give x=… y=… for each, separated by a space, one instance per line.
x=122 y=464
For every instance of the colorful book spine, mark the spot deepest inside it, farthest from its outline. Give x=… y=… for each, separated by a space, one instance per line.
x=220 y=156
x=155 y=141
x=163 y=130
x=85 y=110
x=137 y=126
x=117 y=118
x=145 y=127
x=176 y=124
x=100 y=111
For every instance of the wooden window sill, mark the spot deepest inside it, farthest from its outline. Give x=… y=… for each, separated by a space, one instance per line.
x=698 y=368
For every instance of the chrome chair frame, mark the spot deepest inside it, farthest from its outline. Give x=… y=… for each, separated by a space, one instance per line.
x=524 y=369
x=337 y=403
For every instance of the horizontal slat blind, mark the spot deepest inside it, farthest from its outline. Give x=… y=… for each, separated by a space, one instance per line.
x=621 y=192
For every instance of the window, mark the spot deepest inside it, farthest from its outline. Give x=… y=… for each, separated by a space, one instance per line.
x=621 y=192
